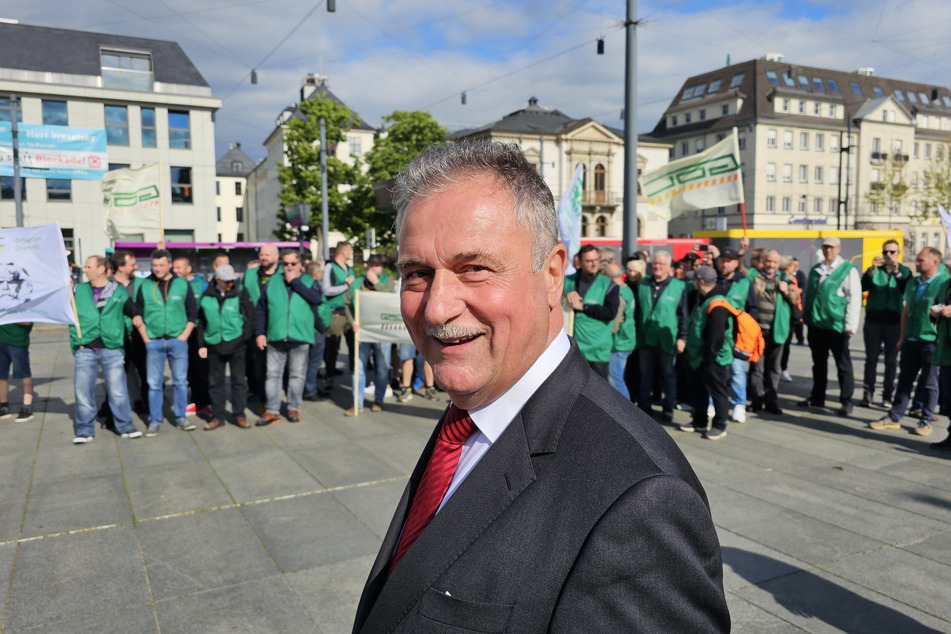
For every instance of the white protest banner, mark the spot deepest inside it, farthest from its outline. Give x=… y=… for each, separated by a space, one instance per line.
x=569 y=216
x=133 y=200
x=380 y=319
x=34 y=276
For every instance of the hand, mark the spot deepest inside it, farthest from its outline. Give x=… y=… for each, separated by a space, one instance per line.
x=203 y=353
x=137 y=321
x=292 y=274
x=356 y=327
x=878 y=261
x=372 y=277
x=744 y=243
x=681 y=345
x=783 y=287
x=261 y=342
x=575 y=301
x=946 y=311
x=182 y=337
x=349 y=280
x=145 y=338
x=848 y=333
x=900 y=342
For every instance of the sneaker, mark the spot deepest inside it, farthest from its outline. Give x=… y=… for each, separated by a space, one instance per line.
x=293 y=416
x=376 y=407
x=923 y=428
x=152 y=430
x=942 y=444
x=865 y=402
x=845 y=410
x=403 y=395
x=268 y=419
x=5 y=410
x=431 y=393
x=183 y=424
x=773 y=409
x=82 y=440
x=887 y=403
x=353 y=411
x=715 y=434
x=739 y=414
x=885 y=423
x=915 y=412
x=686 y=427
x=129 y=434
x=785 y=376
x=190 y=409
x=25 y=414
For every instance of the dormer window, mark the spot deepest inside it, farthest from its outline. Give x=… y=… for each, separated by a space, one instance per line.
x=126 y=70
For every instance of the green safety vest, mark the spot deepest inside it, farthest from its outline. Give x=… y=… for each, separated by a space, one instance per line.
x=739 y=293
x=251 y=282
x=224 y=321
x=164 y=318
x=198 y=285
x=918 y=325
x=884 y=294
x=625 y=339
x=16 y=335
x=782 y=316
x=824 y=308
x=593 y=335
x=942 y=354
x=292 y=320
x=340 y=274
x=110 y=324
x=657 y=324
x=698 y=321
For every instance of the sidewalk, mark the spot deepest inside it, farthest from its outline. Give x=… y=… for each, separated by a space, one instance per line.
x=825 y=525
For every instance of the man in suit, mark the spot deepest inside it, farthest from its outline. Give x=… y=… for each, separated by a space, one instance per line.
x=544 y=501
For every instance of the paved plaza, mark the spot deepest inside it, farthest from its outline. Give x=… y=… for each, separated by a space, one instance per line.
x=825 y=524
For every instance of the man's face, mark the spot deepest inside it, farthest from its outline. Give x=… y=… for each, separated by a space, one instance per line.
x=469 y=298
x=830 y=252
x=926 y=264
x=92 y=269
x=268 y=255
x=590 y=262
x=660 y=268
x=344 y=253
x=632 y=273
x=182 y=267
x=726 y=266
x=771 y=264
x=890 y=252
x=794 y=266
x=130 y=265
x=161 y=267
x=290 y=261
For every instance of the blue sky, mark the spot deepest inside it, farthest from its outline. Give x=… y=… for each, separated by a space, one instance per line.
x=386 y=55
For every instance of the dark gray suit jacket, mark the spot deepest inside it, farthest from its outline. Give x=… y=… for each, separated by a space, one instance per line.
x=583 y=516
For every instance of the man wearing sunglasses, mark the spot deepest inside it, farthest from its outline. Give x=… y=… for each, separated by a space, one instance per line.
x=285 y=330
x=884 y=282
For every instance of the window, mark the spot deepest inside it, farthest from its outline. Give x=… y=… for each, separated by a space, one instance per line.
x=876 y=175
x=237 y=188
x=770 y=172
x=771 y=138
x=771 y=76
x=785 y=105
x=856 y=89
x=833 y=143
x=817 y=83
x=59 y=189
x=817 y=205
x=118 y=166
x=946 y=100
x=876 y=144
x=786 y=204
x=117 y=125
x=817 y=108
x=684 y=148
x=703 y=114
x=54 y=113
x=725 y=109
x=873 y=208
x=240 y=236
x=787 y=139
x=602 y=226
x=912 y=98
x=817 y=174
x=914 y=180
x=6 y=109
x=148 y=127
x=239 y=214
x=237 y=167
x=673 y=120
x=832 y=110
x=899 y=94
x=787 y=172
x=927 y=150
x=701 y=146
x=802 y=106
x=833 y=205
x=803 y=174
x=803 y=140
x=819 y=141
x=699 y=90
x=687 y=117
x=181 y=179
x=741 y=141
x=896 y=145
x=802 y=205
x=714 y=86
x=218 y=211
x=833 y=85
x=737 y=80
x=126 y=70
x=914 y=149
x=179 y=133
x=356 y=146
x=877 y=91
x=599 y=183
x=924 y=98
x=6 y=188
x=770 y=204
x=788 y=79
x=804 y=82
x=833 y=176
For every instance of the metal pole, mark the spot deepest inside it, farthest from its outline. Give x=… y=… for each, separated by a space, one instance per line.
x=838 y=202
x=629 y=239
x=17 y=188
x=325 y=224
x=848 y=176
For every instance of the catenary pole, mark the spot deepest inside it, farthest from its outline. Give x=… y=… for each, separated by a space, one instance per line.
x=629 y=239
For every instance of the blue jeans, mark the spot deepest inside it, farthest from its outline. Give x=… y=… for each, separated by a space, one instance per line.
x=176 y=351
x=314 y=356
x=85 y=372
x=616 y=371
x=738 y=383
x=294 y=356
x=381 y=376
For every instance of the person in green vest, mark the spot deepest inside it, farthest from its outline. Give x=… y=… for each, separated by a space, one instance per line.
x=338 y=278
x=225 y=324
x=918 y=343
x=660 y=319
x=124 y=265
x=885 y=283
x=373 y=281
x=15 y=351
x=736 y=287
x=167 y=312
x=285 y=326
x=255 y=280
x=776 y=294
x=104 y=313
x=709 y=353
x=623 y=335
x=941 y=314
x=832 y=308
x=595 y=300
x=197 y=367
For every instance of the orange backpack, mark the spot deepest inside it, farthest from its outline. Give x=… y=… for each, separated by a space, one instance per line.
x=748 y=342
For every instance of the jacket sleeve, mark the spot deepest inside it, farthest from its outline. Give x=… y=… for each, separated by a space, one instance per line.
x=260 y=317
x=200 y=327
x=249 y=314
x=854 y=296
x=191 y=304
x=683 y=316
x=714 y=332
x=311 y=293
x=651 y=564
x=608 y=310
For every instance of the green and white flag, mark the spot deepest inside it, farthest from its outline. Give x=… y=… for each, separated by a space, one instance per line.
x=569 y=215
x=133 y=200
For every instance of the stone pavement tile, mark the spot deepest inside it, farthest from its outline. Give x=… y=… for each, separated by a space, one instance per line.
x=139 y=619
x=311 y=530
x=230 y=440
x=175 y=488
x=202 y=551
x=817 y=601
x=331 y=593
x=268 y=473
x=903 y=576
x=73 y=575
x=373 y=504
x=804 y=438
x=400 y=450
x=343 y=465
x=713 y=466
x=744 y=446
x=366 y=425
x=747 y=618
x=928 y=473
x=746 y=562
x=171 y=448
x=77 y=503
x=783 y=530
x=839 y=508
x=11 y=518
x=7 y=555
x=19 y=444
x=265 y=605
x=934 y=547
x=59 y=459
x=305 y=435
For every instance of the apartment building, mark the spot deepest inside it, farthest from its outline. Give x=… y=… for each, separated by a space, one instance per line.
x=231 y=194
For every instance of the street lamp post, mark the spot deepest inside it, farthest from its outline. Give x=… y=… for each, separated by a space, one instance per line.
x=325 y=224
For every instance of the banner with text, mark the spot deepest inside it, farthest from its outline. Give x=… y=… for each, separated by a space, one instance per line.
x=133 y=200
x=569 y=216
x=34 y=276
x=54 y=151
x=380 y=318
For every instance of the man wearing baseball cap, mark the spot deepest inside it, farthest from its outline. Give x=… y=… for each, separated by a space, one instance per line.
x=832 y=307
x=737 y=289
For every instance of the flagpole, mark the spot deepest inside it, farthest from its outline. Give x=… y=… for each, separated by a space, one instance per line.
x=736 y=152
x=356 y=359
x=161 y=197
x=72 y=302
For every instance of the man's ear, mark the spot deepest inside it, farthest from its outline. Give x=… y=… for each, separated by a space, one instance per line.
x=554 y=270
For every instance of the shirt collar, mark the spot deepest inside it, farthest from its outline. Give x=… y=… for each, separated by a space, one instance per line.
x=494 y=418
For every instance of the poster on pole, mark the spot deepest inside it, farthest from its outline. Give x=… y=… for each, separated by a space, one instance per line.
x=34 y=276
x=380 y=318
x=55 y=151
x=133 y=200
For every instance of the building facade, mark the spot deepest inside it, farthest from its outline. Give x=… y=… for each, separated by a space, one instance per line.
x=154 y=105
x=231 y=194
x=820 y=148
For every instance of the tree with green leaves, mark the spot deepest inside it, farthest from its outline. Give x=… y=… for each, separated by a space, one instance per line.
x=935 y=185
x=890 y=191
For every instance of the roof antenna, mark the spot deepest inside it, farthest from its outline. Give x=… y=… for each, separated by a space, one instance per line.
x=727 y=59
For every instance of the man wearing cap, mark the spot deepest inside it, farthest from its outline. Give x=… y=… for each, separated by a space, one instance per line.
x=594 y=298
x=832 y=307
x=373 y=281
x=225 y=324
x=736 y=287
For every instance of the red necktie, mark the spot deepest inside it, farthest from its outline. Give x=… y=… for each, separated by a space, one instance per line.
x=436 y=478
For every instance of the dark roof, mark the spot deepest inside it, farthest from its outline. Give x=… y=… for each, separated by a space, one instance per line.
x=321 y=90
x=227 y=163
x=759 y=93
x=534 y=119
x=45 y=49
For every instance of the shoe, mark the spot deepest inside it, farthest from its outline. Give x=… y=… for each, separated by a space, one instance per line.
x=667 y=416
x=129 y=434
x=942 y=444
x=403 y=395
x=152 y=430
x=325 y=393
x=683 y=407
x=865 y=402
x=293 y=416
x=715 y=434
x=82 y=440
x=845 y=410
x=353 y=411
x=739 y=414
x=923 y=428
x=807 y=403
x=183 y=424
x=242 y=422
x=268 y=419
x=5 y=411
x=431 y=393
x=190 y=409
x=376 y=407
x=686 y=427
x=915 y=413
x=756 y=407
x=773 y=409
x=885 y=423
x=887 y=403
x=785 y=376
x=214 y=423
x=313 y=398
x=25 y=414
